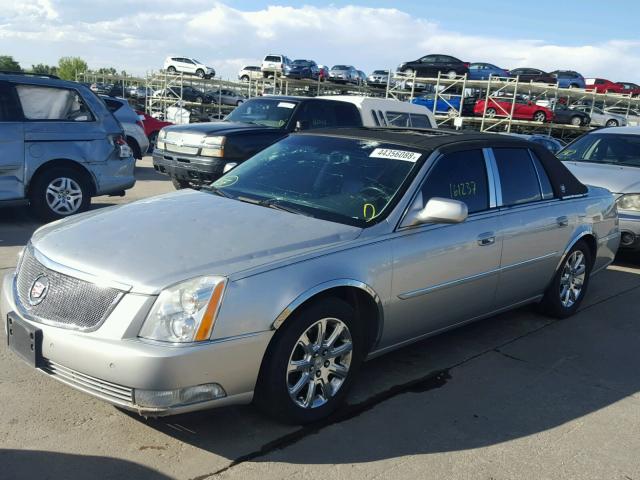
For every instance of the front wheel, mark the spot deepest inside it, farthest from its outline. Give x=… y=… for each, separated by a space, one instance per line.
x=200 y=73
x=569 y=286
x=171 y=69
x=612 y=123
x=60 y=192
x=244 y=78
x=491 y=112
x=311 y=363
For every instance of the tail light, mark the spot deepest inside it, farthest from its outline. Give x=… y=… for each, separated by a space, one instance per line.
x=119 y=140
x=123 y=149
x=467 y=64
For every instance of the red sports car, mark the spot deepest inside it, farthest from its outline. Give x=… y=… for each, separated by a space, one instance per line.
x=602 y=85
x=523 y=110
x=151 y=127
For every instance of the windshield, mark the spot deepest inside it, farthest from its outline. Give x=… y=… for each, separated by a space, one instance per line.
x=380 y=72
x=611 y=149
x=339 y=67
x=301 y=63
x=349 y=181
x=268 y=112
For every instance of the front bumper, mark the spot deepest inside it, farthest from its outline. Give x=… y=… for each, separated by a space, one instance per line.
x=111 y=364
x=191 y=168
x=629 y=230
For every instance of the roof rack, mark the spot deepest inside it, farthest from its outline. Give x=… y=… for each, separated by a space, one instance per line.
x=30 y=74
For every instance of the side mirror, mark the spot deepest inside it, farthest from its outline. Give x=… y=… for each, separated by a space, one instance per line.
x=302 y=125
x=439 y=210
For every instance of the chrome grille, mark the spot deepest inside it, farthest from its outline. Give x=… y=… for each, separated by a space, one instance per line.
x=183 y=138
x=170 y=147
x=88 y=384
x=69 y=302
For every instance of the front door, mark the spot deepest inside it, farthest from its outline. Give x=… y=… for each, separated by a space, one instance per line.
x=11 y=145
x=446 y=274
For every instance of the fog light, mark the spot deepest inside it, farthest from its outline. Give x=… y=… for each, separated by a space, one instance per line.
x=181 y=396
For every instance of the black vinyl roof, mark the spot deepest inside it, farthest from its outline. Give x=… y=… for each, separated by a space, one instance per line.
x=564 y=183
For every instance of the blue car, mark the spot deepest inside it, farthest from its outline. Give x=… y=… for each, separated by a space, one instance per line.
x=443 y=107
x=569 y=79
x=482 y=71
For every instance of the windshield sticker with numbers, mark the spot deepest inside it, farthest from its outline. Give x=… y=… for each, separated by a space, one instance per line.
x=395 y=154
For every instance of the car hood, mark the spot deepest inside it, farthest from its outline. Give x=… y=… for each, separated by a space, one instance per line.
x=614 y=178
x=222 y=127
x=156 y=242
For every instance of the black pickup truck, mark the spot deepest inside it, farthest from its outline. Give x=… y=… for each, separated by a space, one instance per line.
x=198 y=154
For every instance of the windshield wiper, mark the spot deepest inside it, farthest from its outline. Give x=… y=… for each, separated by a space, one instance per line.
x=277 y=205
x=215 y=190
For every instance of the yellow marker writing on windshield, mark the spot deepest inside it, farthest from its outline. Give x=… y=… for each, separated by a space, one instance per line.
x=367 y=207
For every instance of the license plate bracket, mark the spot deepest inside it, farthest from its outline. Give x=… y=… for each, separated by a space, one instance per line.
x=24 y=339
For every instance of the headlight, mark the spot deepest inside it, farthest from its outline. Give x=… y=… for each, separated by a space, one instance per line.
x=630 y=201
x=213 y=146
x=229 y=166
x=185 y=312
x=162 y=135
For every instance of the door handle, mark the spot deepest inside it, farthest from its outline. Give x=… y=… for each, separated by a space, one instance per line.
x=562 y=221
x=486 y=239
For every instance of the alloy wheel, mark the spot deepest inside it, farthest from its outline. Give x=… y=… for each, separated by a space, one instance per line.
x=64 y=196
x=540 y=117
x=319 y=363
x=572 y=279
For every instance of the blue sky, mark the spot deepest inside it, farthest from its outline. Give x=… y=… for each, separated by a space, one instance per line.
x=136 y=35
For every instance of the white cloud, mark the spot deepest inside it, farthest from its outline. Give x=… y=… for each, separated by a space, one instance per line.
x=132 y=35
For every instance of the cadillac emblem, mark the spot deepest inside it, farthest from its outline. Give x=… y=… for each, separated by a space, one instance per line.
x=39 y=289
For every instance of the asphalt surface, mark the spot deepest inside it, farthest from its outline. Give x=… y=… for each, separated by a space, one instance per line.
x=516 y=396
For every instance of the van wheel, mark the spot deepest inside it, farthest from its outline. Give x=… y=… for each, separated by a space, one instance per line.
x=59 y=192
x=311 y=363
x=569 y=286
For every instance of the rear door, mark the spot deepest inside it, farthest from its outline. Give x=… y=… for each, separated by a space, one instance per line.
x=11 y=144
x=533 y=225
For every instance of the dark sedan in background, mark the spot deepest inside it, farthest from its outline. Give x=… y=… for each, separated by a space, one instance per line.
x=430 y=65
x=304 y=69
x=533 y=75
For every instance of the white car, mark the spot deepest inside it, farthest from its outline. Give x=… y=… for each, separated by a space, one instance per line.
x=275 y=64
x=632 y=115
x=600 y=118
x=386 y=112
x=249 y=72
x=188 y=65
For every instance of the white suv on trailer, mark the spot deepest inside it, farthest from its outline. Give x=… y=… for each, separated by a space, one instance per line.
x=188 y=65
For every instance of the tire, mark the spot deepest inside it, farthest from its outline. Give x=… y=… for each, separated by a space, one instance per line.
x=238 y=103
x=198 y=99
x=52 y=185
x=452 y=112
x=180 y=184
x=244 y=78
x=491 y=112
x=200 y=73
x=171 y=69
x=135 y=148
x=409 y=71
x=283 y=394
x=153 y=139
x=612 y=123
x=577 y=121
x=574 y=85
x=553 y=304
x=451 y=74
x=540 y=116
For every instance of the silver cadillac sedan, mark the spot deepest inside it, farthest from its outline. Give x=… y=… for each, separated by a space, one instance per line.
x=276 y=282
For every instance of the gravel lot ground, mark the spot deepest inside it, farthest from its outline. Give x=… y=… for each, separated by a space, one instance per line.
x=516 y=396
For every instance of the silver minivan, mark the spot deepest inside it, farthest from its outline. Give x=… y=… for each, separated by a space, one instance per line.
x=60 y=146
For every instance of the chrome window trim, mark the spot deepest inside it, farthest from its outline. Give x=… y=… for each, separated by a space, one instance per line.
x=496 y=176
x=72 y=272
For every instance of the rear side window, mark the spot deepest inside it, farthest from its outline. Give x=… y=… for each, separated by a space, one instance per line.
x=375 y=118
x=322 y=114
x=9 y=110
x=419 y=121
x=518 y=176
x=112 y=105
x=460 y=176
x=398 y=119
x=49 y=103
x=545 y=184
